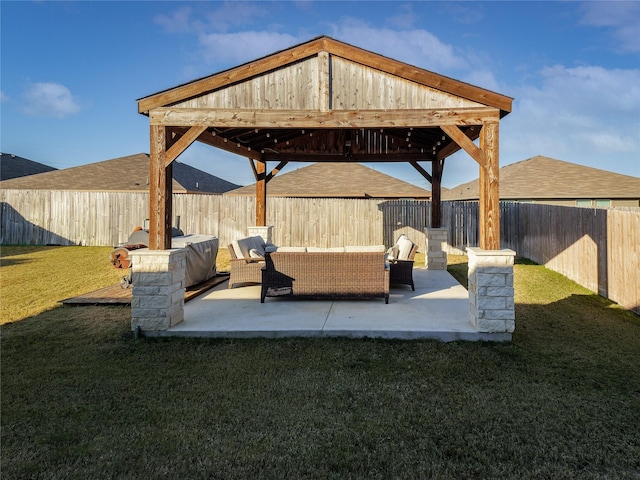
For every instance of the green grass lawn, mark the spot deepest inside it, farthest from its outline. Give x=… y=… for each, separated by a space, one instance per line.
x=81 y=398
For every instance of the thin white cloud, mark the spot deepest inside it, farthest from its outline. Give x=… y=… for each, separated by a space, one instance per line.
x=47 y=99
x=179 y=21
x=223 y=48
x=202 y=19
x=405 y=18
x=234 y=48
x=592 y=88
x=416 y=47
x=483 y=78
x=3 y=97
x=575 y=114
x=623 y=18
x=235 y=14
x=587 y=115
x=466 y=13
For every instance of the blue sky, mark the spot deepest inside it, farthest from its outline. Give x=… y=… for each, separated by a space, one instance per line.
x=71 y=72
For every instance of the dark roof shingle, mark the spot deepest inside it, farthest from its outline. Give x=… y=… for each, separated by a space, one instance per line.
x=547 y=178
x=130 y=173
x=13 y=166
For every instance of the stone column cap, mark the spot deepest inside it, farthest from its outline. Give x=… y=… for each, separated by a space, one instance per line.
x=491 y=253
x=435 y=228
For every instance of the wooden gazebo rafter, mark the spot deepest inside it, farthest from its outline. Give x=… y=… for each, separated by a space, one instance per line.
x=326 y=101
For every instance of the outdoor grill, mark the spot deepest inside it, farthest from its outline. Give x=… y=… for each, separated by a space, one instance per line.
x=202 y=251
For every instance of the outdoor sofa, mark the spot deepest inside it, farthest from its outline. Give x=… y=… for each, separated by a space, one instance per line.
x=343 y=272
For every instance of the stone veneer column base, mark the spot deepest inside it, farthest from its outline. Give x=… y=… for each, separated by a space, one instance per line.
x=491 y=293
x=265 y=232
x=157 y=301
x=435 y=257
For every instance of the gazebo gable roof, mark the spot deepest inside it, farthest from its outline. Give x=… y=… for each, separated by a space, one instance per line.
x=307 y=59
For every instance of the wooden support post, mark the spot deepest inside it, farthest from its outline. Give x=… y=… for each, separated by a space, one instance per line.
x=261 y=194
x=436 y=193
x=160 y=190
x=489 y=188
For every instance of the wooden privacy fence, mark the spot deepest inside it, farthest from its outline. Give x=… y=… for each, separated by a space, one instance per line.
x=108 y=218
x=597 y=248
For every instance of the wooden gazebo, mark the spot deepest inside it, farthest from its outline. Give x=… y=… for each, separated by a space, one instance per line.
x=325 y=100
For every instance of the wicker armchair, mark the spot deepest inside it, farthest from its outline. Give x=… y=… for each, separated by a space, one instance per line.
x=401 y=265
x=244 y=270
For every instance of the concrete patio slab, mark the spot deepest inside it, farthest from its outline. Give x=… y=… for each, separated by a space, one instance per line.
x=438 y=309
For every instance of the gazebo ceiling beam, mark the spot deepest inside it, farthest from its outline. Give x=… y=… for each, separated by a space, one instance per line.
x=426 y=141
x=423 y=138
x=227 y=145
x=356 y=157
x=235 y=118
x=271 y=138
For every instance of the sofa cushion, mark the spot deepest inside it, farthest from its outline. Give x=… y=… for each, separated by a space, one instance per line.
x=236 y=249
x=292 y=249
x=253 y=253
x=245 y=245
x=404 y=247
x=256 y=243
x=364 y=248
x=325 y=249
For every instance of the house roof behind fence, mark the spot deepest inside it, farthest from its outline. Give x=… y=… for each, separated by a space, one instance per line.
x=337 y=180
x=547 y=178
x=130 y=173
x=13 y=166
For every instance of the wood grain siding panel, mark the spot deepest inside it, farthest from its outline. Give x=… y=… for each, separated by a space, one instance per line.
x=230 y=77
x=292 y=87
x=357 y=87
